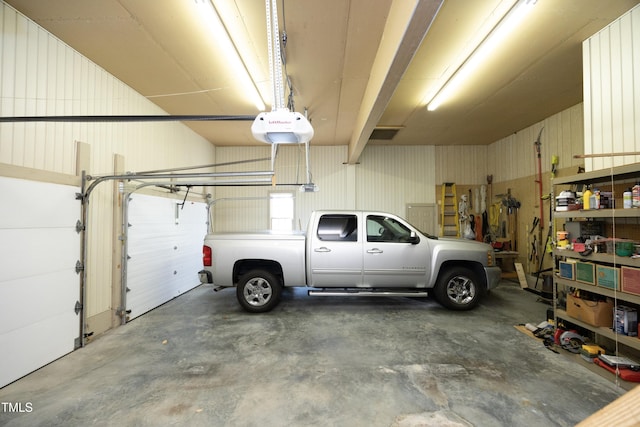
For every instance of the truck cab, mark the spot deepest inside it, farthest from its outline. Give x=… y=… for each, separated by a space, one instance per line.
x=369 y=250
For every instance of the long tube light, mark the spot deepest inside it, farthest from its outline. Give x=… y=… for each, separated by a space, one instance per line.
x=231 y=54
x=506 y=25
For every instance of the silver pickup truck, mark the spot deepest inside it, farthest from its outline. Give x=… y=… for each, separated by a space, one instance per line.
x=349 y=253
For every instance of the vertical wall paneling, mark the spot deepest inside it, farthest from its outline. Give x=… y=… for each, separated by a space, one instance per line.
x=7 y=70
x=626 y=84
x=615 y=88
x=461 y=163
x=233 y=212
x=388 y=177
x=165 y=250
x=424 y=216
x=587 y=98
x=241 y=208
x=611 y=70
x=634 y=130
x=39 y=287
x=596 y=108
x=514 y=156
x=333 y=177
x=350 y=192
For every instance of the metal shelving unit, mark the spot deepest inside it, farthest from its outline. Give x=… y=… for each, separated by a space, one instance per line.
x=605 y=179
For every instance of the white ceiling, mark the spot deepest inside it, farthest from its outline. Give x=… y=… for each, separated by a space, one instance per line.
x=354 y=64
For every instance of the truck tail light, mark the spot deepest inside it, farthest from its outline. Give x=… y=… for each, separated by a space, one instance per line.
x=206 y=256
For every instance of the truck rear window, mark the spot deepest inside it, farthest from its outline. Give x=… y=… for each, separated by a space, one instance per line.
x=338 y=228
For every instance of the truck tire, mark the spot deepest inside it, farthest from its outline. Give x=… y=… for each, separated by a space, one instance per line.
x=258 y=291
x=458 y=289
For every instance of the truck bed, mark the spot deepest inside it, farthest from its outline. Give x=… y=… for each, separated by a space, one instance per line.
x=286 y=248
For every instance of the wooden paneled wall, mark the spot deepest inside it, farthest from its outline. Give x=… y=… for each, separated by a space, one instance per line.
x=387 y=179
x=611 y=64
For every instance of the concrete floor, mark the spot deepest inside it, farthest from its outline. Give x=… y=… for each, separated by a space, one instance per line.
x=314 y=361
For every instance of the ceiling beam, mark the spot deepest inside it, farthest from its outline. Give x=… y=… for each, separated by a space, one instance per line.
x=406 y=26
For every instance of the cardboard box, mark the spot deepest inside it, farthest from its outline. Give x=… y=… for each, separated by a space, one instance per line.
x=567 y=270
x=586 y=273
x=625 y=320
x=596 y=313
x=608 y=277
x=630 y=280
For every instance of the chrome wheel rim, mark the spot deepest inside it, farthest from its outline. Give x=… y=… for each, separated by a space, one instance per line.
x=461 y=290
x=257 y=292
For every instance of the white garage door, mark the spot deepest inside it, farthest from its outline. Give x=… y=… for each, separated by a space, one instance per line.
x=165 y=250
x=39 y=287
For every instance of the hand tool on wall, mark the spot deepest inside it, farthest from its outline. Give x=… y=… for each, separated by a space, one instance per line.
x=545 y=245
x=555 y=160
x=533 y=255
x=538 y=145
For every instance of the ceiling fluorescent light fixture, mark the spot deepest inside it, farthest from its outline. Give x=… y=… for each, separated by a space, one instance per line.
x=506 y=25
x=223 y=39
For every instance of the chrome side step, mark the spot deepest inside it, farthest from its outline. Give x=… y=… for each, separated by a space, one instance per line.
x=365 y=293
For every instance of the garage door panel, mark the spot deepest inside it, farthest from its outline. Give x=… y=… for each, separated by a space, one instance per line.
x=53 y=205
x=142 y=206
x=37 y=297
x=36 y=252
x=44 y=345
x=152 y=289
x=151 y=245
x=145 y=275
x=39 y=287
x=147 y=297
x=165 y=254
x=176 y=252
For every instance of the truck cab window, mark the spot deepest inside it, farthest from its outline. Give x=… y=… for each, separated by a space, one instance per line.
x=338 y=228
x=384 y=229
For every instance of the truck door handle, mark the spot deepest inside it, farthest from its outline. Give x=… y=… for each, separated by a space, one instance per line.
x=374 y=251
x=322 y=249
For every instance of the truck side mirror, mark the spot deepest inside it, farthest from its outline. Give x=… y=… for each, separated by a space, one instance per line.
x=413 y=238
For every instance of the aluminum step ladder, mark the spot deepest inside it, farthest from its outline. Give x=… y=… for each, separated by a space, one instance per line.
x=449 y=220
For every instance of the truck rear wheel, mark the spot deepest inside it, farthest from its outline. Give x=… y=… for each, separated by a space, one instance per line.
x=258 y=291
x=458 y=289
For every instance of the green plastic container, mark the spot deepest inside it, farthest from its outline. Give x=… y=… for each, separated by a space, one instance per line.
x=624 y=248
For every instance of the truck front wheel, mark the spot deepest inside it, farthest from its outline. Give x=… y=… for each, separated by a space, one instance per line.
x=458 y=289
x=258 y=291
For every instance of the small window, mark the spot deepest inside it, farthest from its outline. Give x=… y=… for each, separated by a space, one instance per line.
x=338 y=228
x=281 y=211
